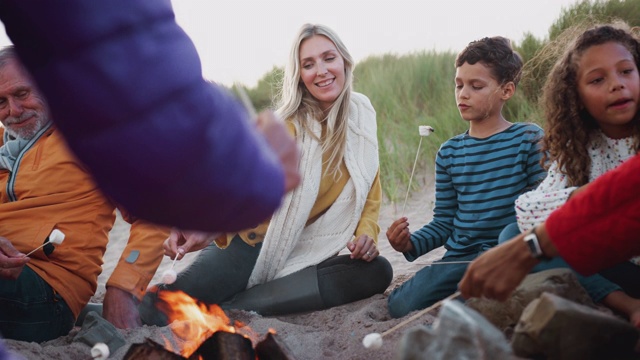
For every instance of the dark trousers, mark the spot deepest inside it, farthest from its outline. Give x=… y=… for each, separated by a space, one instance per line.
x=30 y=310
x=220 y=276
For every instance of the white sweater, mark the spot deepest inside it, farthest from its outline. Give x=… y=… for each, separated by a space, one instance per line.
x=289 y=245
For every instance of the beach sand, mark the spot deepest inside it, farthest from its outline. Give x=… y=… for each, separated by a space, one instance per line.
x=334 y=333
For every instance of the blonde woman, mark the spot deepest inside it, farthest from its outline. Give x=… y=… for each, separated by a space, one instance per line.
x=289 y=263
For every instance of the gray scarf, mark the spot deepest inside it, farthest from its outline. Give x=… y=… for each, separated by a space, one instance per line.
x=13 y=147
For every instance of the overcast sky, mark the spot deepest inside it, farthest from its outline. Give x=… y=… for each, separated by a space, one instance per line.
x=241 y=40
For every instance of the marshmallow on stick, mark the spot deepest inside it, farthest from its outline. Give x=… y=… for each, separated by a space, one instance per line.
x=424 y=131
x=56 y=237
x=374 y=340
x=100 y=351
x=169 y=276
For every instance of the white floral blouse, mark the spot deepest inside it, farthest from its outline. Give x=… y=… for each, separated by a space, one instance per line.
x=535 y=206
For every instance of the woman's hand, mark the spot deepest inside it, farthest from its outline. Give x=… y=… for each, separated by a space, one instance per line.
x=399 y=235
x=364 y=248
x=181 y=242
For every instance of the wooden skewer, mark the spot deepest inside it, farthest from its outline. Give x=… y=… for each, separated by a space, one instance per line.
x=406 y=196
x=421 y=312
x=246 y=101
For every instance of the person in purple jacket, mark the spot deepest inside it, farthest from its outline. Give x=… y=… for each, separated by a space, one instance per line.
x=125 y=86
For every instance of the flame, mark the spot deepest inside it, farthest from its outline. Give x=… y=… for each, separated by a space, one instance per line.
x=193 y=322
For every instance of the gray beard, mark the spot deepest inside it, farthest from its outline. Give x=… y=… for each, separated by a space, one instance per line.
x=27 y=133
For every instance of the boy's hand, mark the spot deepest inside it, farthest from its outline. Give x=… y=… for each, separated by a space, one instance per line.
x=399 y=235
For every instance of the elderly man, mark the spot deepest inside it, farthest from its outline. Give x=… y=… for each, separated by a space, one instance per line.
x=44 y=187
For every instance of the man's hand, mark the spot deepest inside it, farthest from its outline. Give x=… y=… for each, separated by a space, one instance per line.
x=121 y=309
x=499 y=271
x=399 y=235
x=12 y=261
x=283 y=146
x=181 y=242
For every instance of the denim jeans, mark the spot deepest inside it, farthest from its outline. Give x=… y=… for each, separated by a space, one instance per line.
x=428 y=286
x=596 y=285
x=30 y=310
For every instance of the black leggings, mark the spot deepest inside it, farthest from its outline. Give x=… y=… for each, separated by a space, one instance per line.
x=342 y=280
x=218 y=274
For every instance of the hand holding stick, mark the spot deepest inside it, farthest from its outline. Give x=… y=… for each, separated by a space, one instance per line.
x=169 y=276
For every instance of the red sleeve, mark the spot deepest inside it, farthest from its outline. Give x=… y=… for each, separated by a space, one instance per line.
x=599 y=227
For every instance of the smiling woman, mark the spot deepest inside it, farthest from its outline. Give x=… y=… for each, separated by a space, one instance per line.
x=289 y=264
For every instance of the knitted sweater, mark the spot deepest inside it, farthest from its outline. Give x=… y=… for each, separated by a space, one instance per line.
x=289 y=245
x=535 y=206
x=477 y=181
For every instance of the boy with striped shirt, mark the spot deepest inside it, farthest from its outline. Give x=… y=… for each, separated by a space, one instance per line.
x=479 y=174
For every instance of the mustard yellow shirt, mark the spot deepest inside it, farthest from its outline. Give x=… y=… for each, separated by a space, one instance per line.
x=330 y=189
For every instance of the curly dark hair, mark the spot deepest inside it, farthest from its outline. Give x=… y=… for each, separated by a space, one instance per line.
x=495 y=53
x=568 y=126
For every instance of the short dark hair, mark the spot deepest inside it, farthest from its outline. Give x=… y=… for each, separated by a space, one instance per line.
x=497 y=54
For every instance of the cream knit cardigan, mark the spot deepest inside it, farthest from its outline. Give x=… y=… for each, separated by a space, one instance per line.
x=288 y=245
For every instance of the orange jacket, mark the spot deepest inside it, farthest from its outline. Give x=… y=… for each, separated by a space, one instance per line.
x=51 y=189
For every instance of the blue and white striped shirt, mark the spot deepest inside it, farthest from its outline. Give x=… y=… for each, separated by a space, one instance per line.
x=477 y=182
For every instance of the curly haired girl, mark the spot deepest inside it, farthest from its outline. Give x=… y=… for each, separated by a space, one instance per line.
x=591 y=104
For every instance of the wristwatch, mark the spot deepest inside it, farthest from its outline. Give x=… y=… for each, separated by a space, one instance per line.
x=531 y=239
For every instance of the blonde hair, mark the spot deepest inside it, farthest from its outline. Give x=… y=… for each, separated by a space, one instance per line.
x=298 y=105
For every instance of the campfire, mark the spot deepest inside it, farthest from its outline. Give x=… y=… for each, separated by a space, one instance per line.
x=202 y=331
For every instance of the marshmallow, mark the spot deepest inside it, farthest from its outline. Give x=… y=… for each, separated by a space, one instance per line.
x=56 y=237
x=425 y=130
x=100 y=351
x=169 y=276
x=372 y=341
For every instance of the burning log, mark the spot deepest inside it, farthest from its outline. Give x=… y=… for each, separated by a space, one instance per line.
x=225 y=346
x=271 y=348
x=204 y=332
x=150 y=350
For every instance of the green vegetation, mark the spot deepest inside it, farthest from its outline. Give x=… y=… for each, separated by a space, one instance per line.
x=418 y=89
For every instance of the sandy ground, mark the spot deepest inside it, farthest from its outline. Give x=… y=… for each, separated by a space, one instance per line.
x=335 y=333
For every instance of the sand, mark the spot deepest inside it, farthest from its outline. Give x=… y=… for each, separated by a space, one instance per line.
x=334 y=333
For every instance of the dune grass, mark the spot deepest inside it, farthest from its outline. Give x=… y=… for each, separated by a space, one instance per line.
x=418 y=89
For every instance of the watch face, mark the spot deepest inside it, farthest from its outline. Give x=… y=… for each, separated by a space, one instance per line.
x=534 y=247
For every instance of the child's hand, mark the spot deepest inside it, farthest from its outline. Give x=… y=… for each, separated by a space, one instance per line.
x=399 y=235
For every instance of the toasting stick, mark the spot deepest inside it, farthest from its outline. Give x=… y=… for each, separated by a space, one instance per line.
x=424 y=131
x=374 y=340
x=56 y=237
